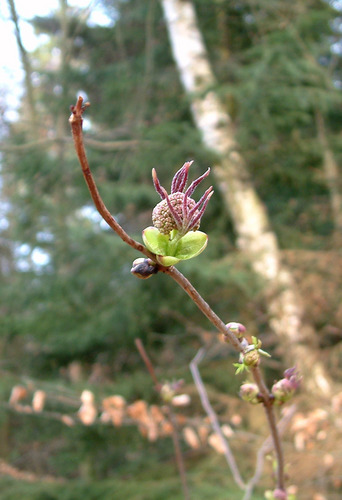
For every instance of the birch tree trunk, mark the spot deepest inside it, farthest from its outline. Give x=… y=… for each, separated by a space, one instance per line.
x=332 y=178
x=33 y=128
x=254 y=235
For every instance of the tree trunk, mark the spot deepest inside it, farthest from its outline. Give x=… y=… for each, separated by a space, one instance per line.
x=33 y=128
x=332 y=178
x=254 y=235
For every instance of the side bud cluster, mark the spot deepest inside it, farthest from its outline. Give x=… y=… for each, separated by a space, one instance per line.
x=169 y=393
x=277 y=494
x=284 y=389
x=250 y=393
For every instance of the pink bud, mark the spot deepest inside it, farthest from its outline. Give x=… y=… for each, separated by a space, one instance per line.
x=279 y=494
x=249 y=392
x=237 y=328
x=282 y=391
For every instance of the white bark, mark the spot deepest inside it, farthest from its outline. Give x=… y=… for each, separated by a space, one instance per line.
x=25 y=60
x=254 y=235
x=332 y=177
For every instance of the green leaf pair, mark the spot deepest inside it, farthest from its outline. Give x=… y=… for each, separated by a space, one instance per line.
x=170 y=249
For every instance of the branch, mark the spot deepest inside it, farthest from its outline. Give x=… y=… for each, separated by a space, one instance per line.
x=265 y=448
x=92 y=143
x=76 y=126
x=213 y=417
x=175 y=433
x=205 y=308
x=270 y=414
x=148 y=363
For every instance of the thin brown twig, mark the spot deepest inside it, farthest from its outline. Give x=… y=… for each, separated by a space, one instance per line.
x=202 y=305
x=175 y=433
x=265 y=448
x=270 y=414
x=90 y=142
x=213 y=417
x=148 y=363
x=76 y=121
x=76 y=125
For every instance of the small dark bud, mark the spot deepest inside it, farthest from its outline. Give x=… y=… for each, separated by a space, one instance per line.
x=144 y=268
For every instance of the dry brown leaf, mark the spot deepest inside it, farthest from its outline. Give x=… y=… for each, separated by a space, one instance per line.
x=115 y=401
x=116 y=416
x=87 y=397
x=299 y=440
x=87 y=414
x=215 y=442
x=191 y=438
x=18 y=393
x=138 y=410
x=336 y=402
x=152 y=430
x=38 y=401
x=203 y=433
x=157 y=414
x=67 y=420
x=236 y=419
x=166 y=428
x=328 y=460
x=105 y=417
x=227 y=430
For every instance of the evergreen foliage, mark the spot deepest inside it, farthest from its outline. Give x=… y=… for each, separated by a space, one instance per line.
x=275 y=69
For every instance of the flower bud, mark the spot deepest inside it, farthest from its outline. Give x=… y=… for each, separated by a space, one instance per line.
x=293 y=376
x=279 y=494
x=282 y=391
x=177 y=210
x=144 y=268
x=167 y=392
x=250 y=393
x=164 y=220
x=237 y=328
x=251 y=358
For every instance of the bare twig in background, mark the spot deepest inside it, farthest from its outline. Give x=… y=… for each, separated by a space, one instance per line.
x=213 y=417
x=148 y=363
x=8 y=470
x=92 y=143
x=169 y=411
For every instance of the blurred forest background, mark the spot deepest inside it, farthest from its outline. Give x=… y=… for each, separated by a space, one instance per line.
x=71 y=310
